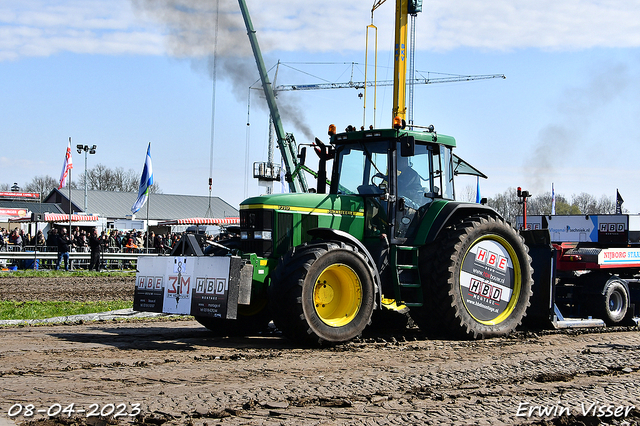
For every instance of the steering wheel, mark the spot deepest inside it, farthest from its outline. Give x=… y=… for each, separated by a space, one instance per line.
x=383 y=178
x=410 y=203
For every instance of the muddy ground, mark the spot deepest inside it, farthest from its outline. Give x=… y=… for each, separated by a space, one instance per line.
x=176 y=373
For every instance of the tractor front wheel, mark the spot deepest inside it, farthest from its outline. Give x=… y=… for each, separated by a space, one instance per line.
x=322 y=292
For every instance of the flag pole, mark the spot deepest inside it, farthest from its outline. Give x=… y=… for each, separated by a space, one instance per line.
x=148 y=202
x=69 y=196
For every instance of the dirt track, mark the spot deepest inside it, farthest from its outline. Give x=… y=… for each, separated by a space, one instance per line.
x=179 y=374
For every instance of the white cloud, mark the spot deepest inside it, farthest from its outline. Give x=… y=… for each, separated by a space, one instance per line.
x=41 y=28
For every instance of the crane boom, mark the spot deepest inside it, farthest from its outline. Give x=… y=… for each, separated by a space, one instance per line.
x=400 y=61
x=286 y=143
x=361 y=84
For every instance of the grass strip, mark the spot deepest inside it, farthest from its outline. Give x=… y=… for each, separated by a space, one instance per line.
x=61 y=273
x=10 y=310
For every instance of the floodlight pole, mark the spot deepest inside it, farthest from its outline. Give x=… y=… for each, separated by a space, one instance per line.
x=87 y=150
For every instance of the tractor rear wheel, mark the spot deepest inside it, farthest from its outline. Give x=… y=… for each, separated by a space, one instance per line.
x=477 y=279
x=322 y=292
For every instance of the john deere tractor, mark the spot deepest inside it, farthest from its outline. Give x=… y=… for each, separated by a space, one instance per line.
x=381 y=230
x=388 y=233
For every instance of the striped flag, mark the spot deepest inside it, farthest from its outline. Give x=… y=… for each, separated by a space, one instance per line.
x=553 y=200
x=68 y=165
x=146 y=180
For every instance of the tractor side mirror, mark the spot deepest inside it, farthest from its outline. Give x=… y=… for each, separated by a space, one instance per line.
x=302 y=156
x=407 y=146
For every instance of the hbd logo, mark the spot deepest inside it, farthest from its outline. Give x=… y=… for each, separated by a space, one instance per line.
x=612 y=227
x=491 y=259
x=217 y=286
x=485 y=290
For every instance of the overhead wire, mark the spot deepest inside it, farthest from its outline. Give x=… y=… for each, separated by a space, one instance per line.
x=209 y=213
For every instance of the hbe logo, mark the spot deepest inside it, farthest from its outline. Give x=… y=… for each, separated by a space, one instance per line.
x=149 y=283
x=491 y=259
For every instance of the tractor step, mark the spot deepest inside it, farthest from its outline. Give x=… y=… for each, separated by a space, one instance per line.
x=406 y=275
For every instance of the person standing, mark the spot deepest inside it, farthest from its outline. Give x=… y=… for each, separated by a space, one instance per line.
x=64 y=244
x=95 y=246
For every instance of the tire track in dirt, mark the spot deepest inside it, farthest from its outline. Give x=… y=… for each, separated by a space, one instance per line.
x=179 y=374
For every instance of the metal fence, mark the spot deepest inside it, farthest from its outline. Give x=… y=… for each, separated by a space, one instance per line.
x=26 y=257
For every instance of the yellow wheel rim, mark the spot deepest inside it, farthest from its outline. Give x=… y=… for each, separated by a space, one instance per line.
x=337 y=295
x=517 y=280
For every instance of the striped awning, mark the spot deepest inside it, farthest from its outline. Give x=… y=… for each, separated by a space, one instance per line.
x=201 y=221
x=57 y=217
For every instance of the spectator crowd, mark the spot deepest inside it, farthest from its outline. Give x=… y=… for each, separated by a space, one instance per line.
x=112 y=241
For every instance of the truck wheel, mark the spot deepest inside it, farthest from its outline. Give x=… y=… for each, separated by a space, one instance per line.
x=251 y=320
x=614 y=303
x=322 y=292
x=478 y=279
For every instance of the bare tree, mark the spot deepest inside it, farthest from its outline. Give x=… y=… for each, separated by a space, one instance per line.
x=606 y=205
x=43 y=185
x=586 y=203
x=102 y=178
x=467 y=194
x=506 y=204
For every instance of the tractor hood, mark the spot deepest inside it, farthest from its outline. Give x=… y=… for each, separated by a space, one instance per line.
x=324 y=204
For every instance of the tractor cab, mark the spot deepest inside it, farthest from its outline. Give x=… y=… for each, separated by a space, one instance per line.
x=399 y=172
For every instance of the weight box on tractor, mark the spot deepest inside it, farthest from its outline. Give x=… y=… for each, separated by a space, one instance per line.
x=387 y=234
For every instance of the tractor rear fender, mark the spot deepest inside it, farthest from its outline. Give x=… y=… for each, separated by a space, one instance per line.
x=329 y=234
x=451 y=213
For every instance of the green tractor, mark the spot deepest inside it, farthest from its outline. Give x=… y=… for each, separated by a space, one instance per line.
x=387 y=233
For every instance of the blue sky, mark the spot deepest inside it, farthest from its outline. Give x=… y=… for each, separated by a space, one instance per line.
x=122 y=73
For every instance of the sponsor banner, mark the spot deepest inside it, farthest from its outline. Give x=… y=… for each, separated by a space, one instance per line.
x=32 y=195
x=487 y=280
x=533 y=222
x=211 y=287
x=620 y=257
x=613 y=229
x=150 y=284
x=605 y=229
x=13 y=213
x=177 y=294
x=574 y=229
x=196 y=286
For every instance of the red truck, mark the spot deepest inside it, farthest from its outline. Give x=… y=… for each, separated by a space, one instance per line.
x=586 y=269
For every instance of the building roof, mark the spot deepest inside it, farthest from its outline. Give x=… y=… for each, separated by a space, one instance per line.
x=32 y=206
x=117 y=205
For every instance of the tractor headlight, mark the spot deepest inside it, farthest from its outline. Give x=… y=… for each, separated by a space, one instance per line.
x=244 y=235
x=262 y=235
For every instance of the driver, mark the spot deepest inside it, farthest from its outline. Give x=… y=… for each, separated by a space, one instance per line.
x=409 y=180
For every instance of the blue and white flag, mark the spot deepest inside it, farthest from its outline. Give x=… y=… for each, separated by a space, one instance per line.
x=284 y=185
x=553 y=200
x=478 y=199
x=146 y=180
